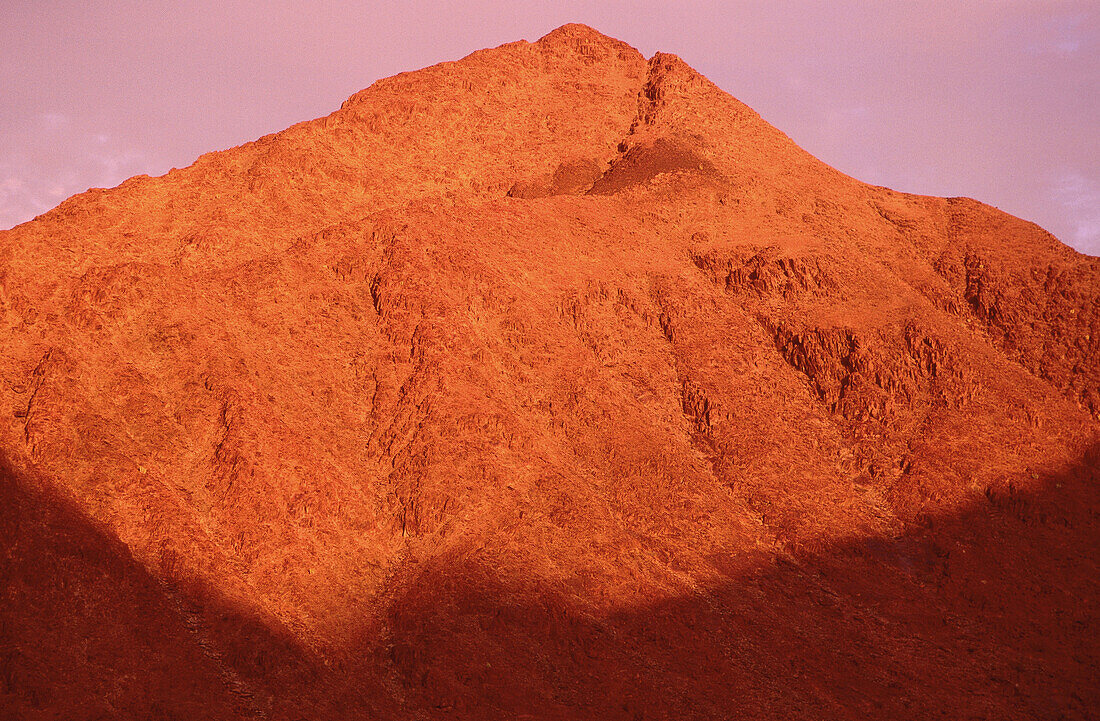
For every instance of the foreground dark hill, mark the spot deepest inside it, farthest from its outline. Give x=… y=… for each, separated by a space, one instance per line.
x=551 y=383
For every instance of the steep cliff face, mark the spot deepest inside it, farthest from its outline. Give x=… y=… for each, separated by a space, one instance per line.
x=548 y=383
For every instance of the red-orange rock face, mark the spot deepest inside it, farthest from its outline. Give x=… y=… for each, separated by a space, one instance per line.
x=551 y=383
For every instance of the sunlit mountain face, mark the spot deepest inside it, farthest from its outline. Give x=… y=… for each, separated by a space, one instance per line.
x=552 y=383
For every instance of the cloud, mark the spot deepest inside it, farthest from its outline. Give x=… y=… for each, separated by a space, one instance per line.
x=1079 y=196
x=1061 y=35
x=49 y=157
x=53 y=121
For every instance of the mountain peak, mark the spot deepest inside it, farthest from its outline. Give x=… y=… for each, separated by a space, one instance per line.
x=547 y=383
x=586 y=42
x=573 y=32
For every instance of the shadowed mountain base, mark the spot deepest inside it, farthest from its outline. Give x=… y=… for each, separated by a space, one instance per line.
x=990 y=613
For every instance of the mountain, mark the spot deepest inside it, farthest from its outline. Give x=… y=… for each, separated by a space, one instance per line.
x=551 y=383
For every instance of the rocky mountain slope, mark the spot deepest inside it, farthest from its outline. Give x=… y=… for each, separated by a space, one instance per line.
x=552 y=383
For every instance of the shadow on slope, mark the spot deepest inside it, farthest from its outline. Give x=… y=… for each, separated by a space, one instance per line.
x=84 y=631
x=985 y=613
x=988 y=613
x=87 y=633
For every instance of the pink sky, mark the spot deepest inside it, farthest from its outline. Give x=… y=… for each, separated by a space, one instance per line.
x=994 y=99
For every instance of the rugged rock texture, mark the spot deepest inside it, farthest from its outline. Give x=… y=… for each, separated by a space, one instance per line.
x=551 y=383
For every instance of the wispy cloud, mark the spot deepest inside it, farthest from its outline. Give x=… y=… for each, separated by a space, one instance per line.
x=1061 y=35
x=48 y=158
x=1079 y=196
x=53 y=121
